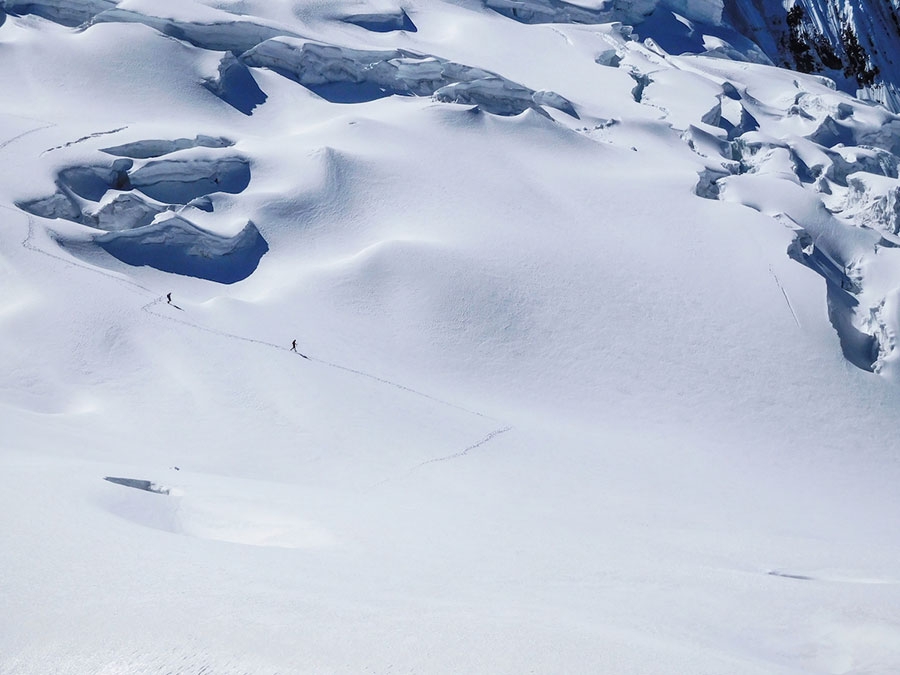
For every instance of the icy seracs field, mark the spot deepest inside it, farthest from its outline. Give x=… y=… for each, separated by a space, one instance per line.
x=602 y=371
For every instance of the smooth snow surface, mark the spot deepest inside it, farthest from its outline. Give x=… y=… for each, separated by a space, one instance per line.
x=597 y=345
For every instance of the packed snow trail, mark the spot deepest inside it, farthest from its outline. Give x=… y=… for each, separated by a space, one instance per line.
x=28 y=244
x=456 y=455
x=149 y=309
x=12 y=140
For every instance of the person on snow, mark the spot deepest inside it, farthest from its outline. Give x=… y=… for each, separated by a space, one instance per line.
x=294 y=346
x=169 y=298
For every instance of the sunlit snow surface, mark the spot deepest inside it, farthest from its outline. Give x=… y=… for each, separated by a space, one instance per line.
x=600 y=363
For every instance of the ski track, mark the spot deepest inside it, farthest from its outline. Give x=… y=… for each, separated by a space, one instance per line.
x=462 y=453
x=445 y=458
x=786 y=298
x=9 y=141
x=28 y=244
x=330 y=364
x=149 y=308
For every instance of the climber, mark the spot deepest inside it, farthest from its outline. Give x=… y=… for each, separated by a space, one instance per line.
x=294 y=346
x=169 y=298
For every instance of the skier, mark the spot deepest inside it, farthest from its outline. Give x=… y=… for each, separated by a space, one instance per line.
x=169 y=298
x=294 y=346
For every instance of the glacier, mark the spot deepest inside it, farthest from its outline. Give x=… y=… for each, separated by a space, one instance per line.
x=441 y=336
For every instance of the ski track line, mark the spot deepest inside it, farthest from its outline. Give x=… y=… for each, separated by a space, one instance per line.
x=446 y=458
x=28 y=245
x=149 y=308
x=786 y=298
x=25 y=133
x=462 y=453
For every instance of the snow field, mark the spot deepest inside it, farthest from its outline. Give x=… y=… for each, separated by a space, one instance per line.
x=559 y=411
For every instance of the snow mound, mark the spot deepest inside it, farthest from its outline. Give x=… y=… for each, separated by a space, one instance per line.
x=173 y=244
x=344 y=75
x=216 y=513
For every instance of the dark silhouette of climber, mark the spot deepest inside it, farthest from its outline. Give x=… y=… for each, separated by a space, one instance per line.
x=169 y=298
x=294 y=349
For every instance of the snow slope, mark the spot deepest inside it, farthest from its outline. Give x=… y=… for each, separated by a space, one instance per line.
x=598 y=347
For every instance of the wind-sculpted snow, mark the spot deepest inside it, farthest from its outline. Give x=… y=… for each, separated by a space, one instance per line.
x=345 y=75
x=158 y=147
x=66 y=12
x=139 y=231
x=229 y=33
x=170 y=181
x=204 y=513
x=173 y=244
